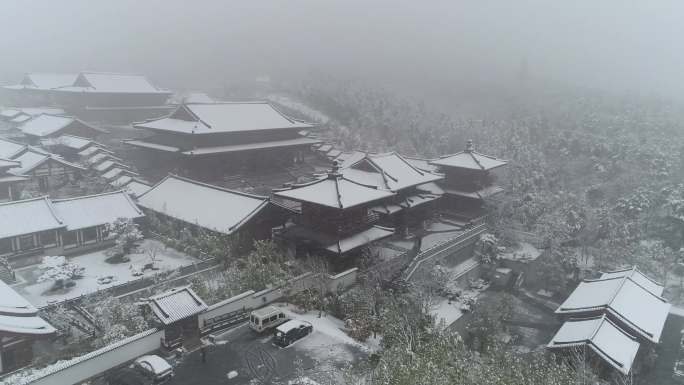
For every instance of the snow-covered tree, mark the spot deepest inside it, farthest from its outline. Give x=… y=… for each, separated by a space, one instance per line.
x=127 y=234
x=60 y=271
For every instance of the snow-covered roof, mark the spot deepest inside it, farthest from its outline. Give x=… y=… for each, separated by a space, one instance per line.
x=637 y=276
x=18 y=316
x=27 y=217
x=483 y=193
x=347 y=158
x=35 y=111
x=335 y=191
x=9 y=113
x=136 y=188
x=387 y=171
x=406 y=203
x=21 y=118
x=605 y=338
x=302 y=141
x=422 y=164
x=31 y=159
x=71 y=141
x=357 y=240
x=9 y=149
x=48 y=81
x=151 y=145
x=112 y=83
x=8 y=163
x=623 y=298
x=94 y=210
x=470 y=159
x=116 y=172
x=223 y=118
x=108 y=164
x=121 y=181
x=93 y=150
x=44 y=125
x=211 y=207
x=176 y=304
x=198 y=97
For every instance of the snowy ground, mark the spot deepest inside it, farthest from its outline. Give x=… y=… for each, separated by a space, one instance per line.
x=96 y=267
x=446 y=311
x=524 y=251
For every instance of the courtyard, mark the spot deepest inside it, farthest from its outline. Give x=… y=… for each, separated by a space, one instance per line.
x=100 y=274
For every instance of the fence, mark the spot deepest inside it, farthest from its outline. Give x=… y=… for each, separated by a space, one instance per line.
x=445 y=248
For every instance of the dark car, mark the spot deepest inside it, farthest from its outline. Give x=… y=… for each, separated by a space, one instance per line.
x=291 y=331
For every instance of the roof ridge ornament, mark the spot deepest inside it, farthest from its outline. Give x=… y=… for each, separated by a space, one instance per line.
x=469 y=146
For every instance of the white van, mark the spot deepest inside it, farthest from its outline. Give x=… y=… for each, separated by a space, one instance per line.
x=266 y=318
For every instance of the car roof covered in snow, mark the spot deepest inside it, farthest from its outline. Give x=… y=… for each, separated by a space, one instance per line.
x=176 y=304
x=211 y=118
x=291 y=324
x=158 y=364
x=266 y=311
x=208 y=206
x=610 y=342
x=94 y=210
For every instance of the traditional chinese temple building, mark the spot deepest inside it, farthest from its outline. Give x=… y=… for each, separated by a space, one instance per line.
x=186 y=203
x=211 y=136
x=92 y=95
x=335 y=215
x=391 y=172
x=46 y=126
x=468 y=179
x=9 y=181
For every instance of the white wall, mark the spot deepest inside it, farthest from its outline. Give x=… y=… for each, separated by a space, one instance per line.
x=103 y=359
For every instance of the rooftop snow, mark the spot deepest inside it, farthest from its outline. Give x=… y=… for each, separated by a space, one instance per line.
x=44 y=125
x=252 y=146
x=204 y=205
x=18 y=316
x=32 y=159
x=387 y=171
x=334 y=191
x=150 y=145
x=11 y=303
x=9 y=113
x=637 y=276
x=92 y=150
x=95 y=210
x=9 y=149
x=363 y=238
x=28 y=216
x=198 y=97
x=470 y=159
x=643 y=312
x=176 y=304
x=223 y=118
x=136 y=188
x=74 y=142
x=112 y=83
x=47 y=81
x=605 y=338
x=35 y=111
x=121 y=181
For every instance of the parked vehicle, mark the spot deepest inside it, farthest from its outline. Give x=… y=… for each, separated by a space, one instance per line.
x=266 y=318
x=155 y=368
x=291 y=331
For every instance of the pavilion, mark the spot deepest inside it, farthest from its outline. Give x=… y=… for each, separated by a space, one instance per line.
x=335 y=215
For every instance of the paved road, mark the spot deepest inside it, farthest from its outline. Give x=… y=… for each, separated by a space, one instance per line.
x=255 y=357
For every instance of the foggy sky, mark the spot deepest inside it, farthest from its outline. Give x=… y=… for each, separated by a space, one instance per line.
x=611 y=44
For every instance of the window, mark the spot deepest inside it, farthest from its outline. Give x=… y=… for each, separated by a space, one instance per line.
x=5 y=245
x=26 y=242
x=69 y=238
x=89 y=235
x=48 y=238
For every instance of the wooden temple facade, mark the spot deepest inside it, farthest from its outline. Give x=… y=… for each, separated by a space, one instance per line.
x=335 y=216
